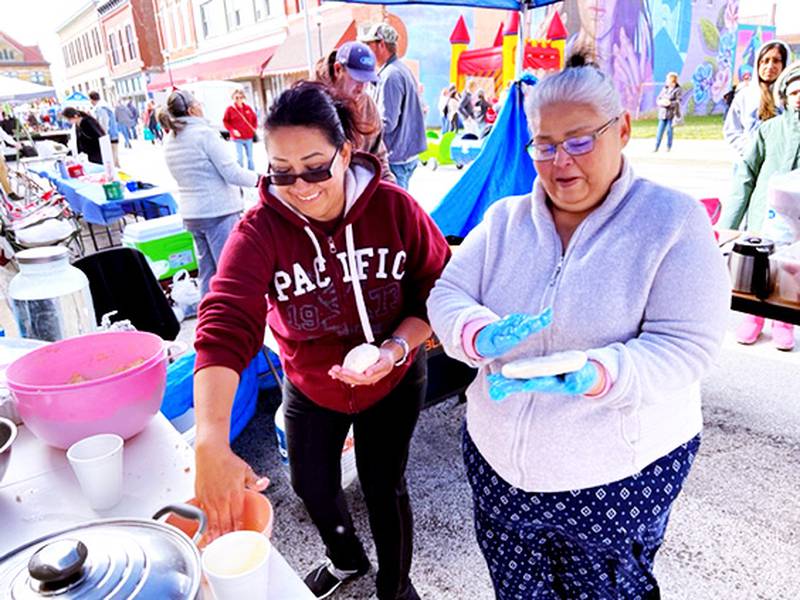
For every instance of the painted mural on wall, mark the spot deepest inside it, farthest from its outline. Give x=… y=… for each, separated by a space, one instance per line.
x=637 y=41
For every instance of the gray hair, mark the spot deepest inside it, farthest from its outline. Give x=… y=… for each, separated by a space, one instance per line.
x=578 y=82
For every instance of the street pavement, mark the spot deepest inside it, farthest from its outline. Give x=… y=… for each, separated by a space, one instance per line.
x=735 y=529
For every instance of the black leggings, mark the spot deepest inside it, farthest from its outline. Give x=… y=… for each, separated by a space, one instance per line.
x=315 y=436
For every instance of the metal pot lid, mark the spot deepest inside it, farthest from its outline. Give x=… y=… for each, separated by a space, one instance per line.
x=107 y=558
x=752 y=245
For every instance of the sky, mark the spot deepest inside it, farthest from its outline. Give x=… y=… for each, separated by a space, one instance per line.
x=34 y=22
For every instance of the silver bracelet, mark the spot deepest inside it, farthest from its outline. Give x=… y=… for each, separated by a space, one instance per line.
x=403 y=344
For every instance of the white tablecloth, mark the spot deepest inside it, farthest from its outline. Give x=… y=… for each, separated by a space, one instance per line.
x=39 y=494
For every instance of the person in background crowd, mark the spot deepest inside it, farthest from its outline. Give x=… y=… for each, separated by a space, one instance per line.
x=88 y=131
x=466 y=107
x=669 y=108
x=125 y=121
x=573 y=475
x=151 y=122
x=398 y=102
x=6 y=141
x=322 y=205
x=132 y=108
x=754 y=103
x=207 y=176
x=775 y=150
x=441 y=106
x=350 y=69
x=241 y=122
x=105 y=116
x=482 y=106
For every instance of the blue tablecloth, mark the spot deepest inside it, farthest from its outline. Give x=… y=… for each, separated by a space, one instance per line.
x=89 y=200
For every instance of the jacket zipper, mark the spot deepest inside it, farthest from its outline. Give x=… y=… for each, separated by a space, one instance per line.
x=348 y=391
x=547 y=300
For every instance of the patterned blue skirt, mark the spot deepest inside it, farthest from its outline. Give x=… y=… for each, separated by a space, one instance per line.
x=593 y=544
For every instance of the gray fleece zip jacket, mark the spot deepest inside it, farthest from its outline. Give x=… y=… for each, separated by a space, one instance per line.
x=642 y=287
x=206 y=171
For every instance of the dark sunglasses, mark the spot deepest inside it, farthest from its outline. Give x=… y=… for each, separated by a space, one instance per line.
x=313 y=176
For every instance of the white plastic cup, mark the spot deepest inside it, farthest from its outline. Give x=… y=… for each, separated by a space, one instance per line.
x=236 y=565
x=97 y=463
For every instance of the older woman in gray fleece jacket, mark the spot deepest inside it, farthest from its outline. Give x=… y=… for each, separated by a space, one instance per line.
x=207 y=175
x=573 y=475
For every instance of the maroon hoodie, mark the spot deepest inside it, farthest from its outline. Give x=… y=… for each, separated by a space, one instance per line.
x=278 y=265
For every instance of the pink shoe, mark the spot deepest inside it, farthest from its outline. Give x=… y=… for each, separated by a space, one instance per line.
x=783 y=335
x=749 y=329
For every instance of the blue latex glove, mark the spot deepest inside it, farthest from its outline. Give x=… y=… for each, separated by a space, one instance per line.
x=501 y=336
x=571 y=384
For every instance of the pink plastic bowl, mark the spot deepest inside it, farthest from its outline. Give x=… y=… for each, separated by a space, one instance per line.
x=124 y=376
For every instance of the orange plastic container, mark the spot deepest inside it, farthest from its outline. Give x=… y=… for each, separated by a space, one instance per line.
x=258 y=516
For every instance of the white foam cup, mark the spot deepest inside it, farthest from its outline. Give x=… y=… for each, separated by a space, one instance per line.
x=236 y=565
x=97 y=463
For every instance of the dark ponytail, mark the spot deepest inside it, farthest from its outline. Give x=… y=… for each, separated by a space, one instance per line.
x=580 y=58
x=70 y=113
x=313 y=104
x=178 y=105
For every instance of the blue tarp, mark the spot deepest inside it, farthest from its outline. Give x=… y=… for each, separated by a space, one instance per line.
x=502 y=169
x=502 y=4
x=179 y=397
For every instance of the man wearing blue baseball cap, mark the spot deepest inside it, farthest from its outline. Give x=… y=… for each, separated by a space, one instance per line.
x=398 y=102
x=349 y=70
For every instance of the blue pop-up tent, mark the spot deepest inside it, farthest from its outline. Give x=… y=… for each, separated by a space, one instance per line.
x=503 y=167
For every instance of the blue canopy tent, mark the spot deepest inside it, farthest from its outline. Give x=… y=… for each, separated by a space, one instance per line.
x=503 y=167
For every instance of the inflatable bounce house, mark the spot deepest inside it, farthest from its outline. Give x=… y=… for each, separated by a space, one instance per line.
x=498 y=61
x=494 y=69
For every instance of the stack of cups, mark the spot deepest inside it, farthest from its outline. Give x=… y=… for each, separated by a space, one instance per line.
x=97 y=463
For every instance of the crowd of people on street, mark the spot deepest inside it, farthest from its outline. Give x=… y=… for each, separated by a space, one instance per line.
x=573 y=475
x=470 y=110
x=584 y=490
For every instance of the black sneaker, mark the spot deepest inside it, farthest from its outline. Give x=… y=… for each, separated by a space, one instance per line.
x=325 y=579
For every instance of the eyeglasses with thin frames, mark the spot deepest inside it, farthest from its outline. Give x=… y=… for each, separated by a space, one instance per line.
x=574 y=146
x=313 y=176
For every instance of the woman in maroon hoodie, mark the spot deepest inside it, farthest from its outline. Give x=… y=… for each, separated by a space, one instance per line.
x=333 y=257
x=241 y=122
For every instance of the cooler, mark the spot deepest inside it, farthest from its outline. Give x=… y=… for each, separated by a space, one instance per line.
x=165 y=243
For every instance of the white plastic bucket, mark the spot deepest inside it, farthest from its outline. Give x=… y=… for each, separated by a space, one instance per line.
x=348 y=463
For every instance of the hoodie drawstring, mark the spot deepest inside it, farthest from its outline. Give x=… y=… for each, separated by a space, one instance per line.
x=319 y=267
x=362 y=308
x=319 y=262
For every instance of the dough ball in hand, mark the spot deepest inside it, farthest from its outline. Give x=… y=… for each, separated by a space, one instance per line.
x=361 y=358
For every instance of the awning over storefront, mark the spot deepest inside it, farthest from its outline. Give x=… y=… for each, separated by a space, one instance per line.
x=291 y=57
x=239 y=66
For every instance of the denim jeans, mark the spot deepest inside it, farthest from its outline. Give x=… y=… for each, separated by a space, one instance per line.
x=209 y=240
x=664 y=124
x=126 y=133
x=403 y=172
x=245 y=146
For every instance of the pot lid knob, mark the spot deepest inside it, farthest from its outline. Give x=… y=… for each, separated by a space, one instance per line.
x=58 y=562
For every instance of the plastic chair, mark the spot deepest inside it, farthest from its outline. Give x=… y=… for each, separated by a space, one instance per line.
x=120 y=279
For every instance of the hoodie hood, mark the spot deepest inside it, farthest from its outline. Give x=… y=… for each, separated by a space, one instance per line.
x=788 y=75
x=360 y=181
x=786 y=52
